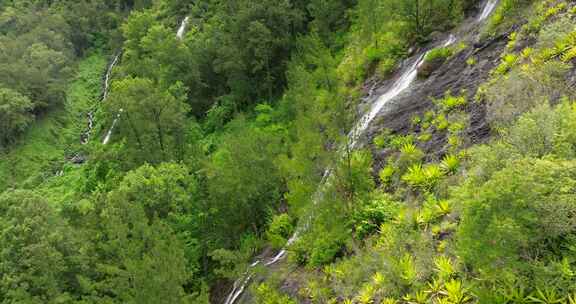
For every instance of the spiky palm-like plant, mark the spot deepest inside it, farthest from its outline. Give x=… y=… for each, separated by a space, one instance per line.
x=546 y=296
x=456 y=293
x=444 y=267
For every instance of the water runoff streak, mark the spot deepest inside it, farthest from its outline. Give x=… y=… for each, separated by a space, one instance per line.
x=179 y=34
x=86 y=135
x=407 y=77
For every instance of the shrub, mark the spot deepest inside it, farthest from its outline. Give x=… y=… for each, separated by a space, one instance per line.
x=385 y=67
x=368 y=219
x=445 y=267
x=424 y=137
x=449 y=102
x=399 y=141
x=386 y=174
x=508 y=61
x=438 y=54
x=441 y=123
x=15 y=115
x=423 y=177
x=523 y=210
x=450 y=164
x=279 y=230
x=522 y=89
x=409 y=154
x=325 y=249
x=380 y=141
x=265 y=294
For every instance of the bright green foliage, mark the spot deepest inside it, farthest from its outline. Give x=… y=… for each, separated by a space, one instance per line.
x=423 y=177
x=516 y=214
x=243 y=180
x=438 y=54
x=246 y=115
x=268 y=295
x=368 y=219
x=504 y=14
x=450 y=102
x=325 y=250
x=450 y=163
x=279 y=230
x=409 y=155
x=386 y=174
x=444 y=267
x=132 y=249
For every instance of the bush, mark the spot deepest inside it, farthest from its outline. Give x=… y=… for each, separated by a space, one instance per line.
x=522 y=89
x=265 y=294
x=325 y=249
x=279 y=230
x=368 y=219
x=409 y=154
x=523 y=211
x=438 y=54
x=449 y=102
x=423 y=177
x=385 y=67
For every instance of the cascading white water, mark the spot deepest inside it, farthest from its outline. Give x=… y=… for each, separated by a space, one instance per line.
x=109 y=133
x=179 y=34
x=86 y=136
x=406 y=78
x=487 y=10
x=182 y=29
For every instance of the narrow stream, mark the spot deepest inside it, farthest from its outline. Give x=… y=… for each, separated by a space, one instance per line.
x=180 y=35
x=85 y=137
x=407 y=77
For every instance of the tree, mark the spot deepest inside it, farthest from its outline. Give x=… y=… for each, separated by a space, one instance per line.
x=37 y=253
x=519 y=214
x=242 y=179
x=15 y=115
x=139 y=260
x=170 y=193
x=152 y=119
x=424 y=16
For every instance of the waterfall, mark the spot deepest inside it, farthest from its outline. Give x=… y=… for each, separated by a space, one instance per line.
x=85 y=137
x=487 y=10
x=179 y=34
x=407 y=77
x=182 y=29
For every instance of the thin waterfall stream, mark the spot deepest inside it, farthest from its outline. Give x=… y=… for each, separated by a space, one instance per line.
x=85 y=137
x=406 y=78
x=180 y=35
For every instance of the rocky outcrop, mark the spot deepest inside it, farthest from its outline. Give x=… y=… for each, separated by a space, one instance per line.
x=454 y=75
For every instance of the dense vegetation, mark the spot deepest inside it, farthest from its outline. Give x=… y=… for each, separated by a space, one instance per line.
x=221 y=139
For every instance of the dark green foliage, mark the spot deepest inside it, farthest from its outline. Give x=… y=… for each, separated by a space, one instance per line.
x=151 y=119
x=15 y=115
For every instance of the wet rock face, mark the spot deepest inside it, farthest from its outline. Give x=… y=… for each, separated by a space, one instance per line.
x=454 y=75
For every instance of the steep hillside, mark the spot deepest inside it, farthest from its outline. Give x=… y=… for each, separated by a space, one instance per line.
x=454 y=217
x=278 y=152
